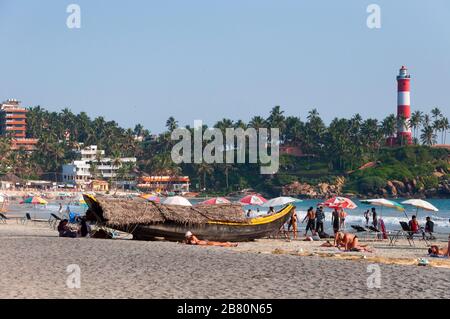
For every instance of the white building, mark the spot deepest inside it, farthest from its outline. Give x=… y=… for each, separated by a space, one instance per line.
x=92 y=165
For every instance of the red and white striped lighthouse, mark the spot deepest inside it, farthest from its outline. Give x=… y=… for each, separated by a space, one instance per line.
x=404 y=135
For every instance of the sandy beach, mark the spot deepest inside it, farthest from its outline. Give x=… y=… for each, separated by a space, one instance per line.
x=34 y=262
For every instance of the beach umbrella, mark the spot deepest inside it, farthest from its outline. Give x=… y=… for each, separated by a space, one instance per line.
x=420 y=203
x=340 y=202
x=385 y=203
x=35 y=200
x=215 y=201
x=151 y=198
x=281 y=201
x=253 y=200
x=81 y=201
x=177 y=200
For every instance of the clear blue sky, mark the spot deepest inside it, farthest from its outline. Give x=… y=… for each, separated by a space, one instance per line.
x=143 y=61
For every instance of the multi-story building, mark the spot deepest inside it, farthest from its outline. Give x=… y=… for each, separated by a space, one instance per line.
x=162 y=184
x=91 y=166
x=13 y=123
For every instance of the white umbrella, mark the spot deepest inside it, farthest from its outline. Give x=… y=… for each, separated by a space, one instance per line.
x=420 y=203
x=280 y=201
x=177 y=200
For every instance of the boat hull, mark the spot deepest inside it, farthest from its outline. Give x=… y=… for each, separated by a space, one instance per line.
x=215 y=231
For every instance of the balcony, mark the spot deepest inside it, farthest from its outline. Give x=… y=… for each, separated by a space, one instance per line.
x=15 y=116
x=15 y=122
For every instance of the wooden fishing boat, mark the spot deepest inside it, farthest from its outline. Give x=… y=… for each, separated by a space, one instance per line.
x=150 y=221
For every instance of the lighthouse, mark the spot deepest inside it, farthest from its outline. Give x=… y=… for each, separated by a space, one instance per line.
x=404 y=135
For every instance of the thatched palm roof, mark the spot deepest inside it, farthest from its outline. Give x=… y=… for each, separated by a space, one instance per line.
x=121 y=212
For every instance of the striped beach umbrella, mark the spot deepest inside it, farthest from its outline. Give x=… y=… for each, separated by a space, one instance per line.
x=385 y=203
x=35 y=200
x=253 y=200
x=215 y=201
x=340 y=202
x=151 y=198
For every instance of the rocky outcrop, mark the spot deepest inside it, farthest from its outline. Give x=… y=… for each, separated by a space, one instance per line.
x=321 y=190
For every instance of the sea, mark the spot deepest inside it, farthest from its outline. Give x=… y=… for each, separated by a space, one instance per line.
x=391 y=217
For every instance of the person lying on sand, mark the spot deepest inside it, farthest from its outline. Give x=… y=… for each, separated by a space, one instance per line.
x=350 y=242
x=440 y=252
x=192 y=240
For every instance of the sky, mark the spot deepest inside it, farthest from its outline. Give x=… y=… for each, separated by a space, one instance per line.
x=144 y=61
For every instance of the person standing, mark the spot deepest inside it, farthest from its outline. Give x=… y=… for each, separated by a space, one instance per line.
x=335 y=220
x=342 y=216
x=320 y=218
x=311 y=217
x=374 y=218
x=367 y=216
x=293 y=224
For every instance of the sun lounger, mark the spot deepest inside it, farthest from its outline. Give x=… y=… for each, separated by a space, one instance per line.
x=358 y=228
x=34 y=220
x=3 y=218
x=367 y=231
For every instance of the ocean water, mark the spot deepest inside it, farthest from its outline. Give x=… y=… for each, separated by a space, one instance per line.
x=391 y=217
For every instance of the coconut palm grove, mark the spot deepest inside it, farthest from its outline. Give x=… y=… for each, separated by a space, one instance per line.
x=346 y=156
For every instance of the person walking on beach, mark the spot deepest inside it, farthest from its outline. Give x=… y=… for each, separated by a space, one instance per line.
x=320 y=218
x=335 y=221
x=367 y=216
x=293 y=224
x=311 y=217
x=374 y=218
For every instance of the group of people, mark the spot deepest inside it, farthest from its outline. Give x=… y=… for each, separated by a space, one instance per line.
x=371 y=213
x=415 y=227
x=81 y=229
x=315 y=220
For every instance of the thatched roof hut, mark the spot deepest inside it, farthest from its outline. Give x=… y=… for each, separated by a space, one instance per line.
x=121 y=212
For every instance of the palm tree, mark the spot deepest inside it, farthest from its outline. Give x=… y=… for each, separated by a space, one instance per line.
x=445 y=127
x=171 y=124
x=389 y=126
x=428 y=136
x=436 y=113
x=415 y=121
x=227 y=167
x=257 y=122
x=204 y=169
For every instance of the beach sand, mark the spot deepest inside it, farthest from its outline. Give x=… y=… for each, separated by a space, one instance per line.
x=34 y=263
